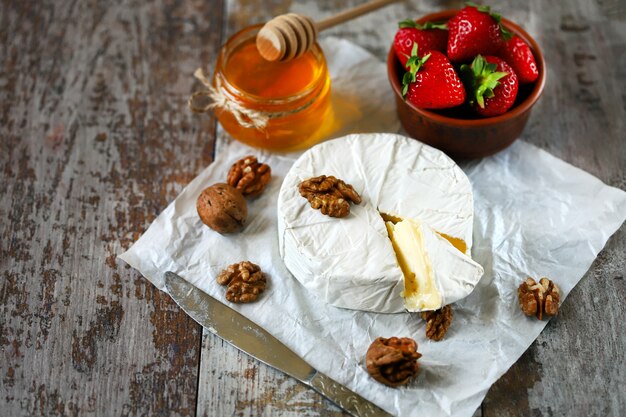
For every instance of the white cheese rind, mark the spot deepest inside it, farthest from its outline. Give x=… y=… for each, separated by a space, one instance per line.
x=350 y=262
x=455 y=273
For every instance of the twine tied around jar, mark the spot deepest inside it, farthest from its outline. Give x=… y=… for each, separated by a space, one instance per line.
x=245 y=117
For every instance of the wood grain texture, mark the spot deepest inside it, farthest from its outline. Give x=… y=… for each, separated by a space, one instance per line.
x=571 y=368
x=95 y=140
x=93 y=147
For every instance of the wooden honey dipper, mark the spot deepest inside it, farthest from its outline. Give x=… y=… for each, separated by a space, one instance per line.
x=290 y=35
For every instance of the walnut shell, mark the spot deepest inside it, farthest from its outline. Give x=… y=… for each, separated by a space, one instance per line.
x=223 y=208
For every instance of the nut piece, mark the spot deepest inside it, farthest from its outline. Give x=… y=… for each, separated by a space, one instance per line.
x=222 y=208
x=438 y=322
x=249 y=176
x=539 y=298
x=392 y=361
x=329 y=194
x=245 y=282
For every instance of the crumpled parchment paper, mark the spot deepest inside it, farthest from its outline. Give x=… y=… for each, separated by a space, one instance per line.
x=535 y=215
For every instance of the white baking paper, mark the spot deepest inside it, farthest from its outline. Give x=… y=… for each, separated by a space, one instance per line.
x=535 y=215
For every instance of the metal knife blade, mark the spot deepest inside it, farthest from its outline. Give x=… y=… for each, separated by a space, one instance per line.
x=257 y=342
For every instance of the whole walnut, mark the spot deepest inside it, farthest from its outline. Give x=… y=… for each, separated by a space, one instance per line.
x=222 y=208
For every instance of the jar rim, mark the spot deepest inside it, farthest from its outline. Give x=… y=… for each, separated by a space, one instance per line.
x=244 y=35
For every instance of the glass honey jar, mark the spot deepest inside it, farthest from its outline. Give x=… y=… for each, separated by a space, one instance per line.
x=292 y=97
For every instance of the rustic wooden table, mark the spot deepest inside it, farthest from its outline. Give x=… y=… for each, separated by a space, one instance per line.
x=95 y=140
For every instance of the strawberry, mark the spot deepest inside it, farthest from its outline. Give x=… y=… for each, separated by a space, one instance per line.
x=492 y=85
x=518 y=55
x=431 y=82
x=429 y=36
x=473 y=31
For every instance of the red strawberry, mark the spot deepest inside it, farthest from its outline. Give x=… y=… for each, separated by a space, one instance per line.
x=431 y=82
x=492 y=85
x=429 y=36
x=518 y=55
x=473 y=31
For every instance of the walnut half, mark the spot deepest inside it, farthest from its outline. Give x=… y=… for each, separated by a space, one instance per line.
x=329 y=194
x=438 y=322
x=249 y=176
x=537 y=299
x=245 y=282
x=392 y=361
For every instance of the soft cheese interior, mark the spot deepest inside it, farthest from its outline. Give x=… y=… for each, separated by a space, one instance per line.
x=456 y=242
x=431 y=264
x=350 y=262
x=420 y=289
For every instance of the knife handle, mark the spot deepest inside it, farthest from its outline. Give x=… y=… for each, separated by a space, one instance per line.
x=351 y=402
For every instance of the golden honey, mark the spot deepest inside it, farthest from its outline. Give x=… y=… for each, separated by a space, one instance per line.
x=293 y=95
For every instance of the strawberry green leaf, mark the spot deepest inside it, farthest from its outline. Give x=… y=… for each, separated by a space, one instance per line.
x=408 y=23
x=478 y=66
x=489 y=67
x=414 y=50
x=406 y=81
x=482 y=78
x=414 y=63
x=435 y=25
x=506 y=34
x=479 y=7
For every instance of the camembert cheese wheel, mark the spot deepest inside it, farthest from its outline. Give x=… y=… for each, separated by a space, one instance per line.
x=405 y=247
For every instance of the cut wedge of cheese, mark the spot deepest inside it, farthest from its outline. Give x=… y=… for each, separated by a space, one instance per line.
x=431 y=265
x=350 y=262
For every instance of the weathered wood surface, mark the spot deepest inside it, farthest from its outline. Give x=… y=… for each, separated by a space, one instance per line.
x=93 y=145
x=95 y=141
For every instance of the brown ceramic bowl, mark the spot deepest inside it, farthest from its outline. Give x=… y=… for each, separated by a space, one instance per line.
x=457 y=131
